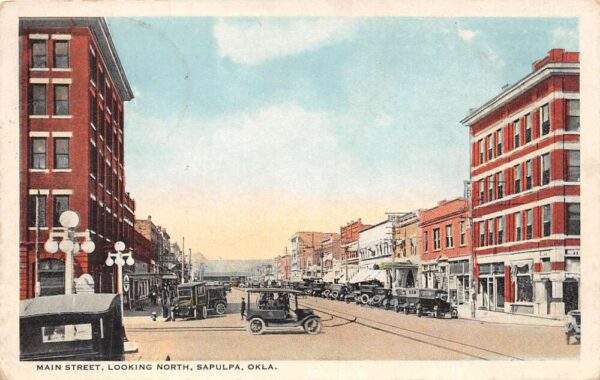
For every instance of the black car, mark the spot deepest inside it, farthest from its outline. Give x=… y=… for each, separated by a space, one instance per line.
x=435 y=302
x=72 y=327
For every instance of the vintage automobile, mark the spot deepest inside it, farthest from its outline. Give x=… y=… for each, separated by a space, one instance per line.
x=380 y=297
x=318 y=289
x=365 y=294
x=71 y=327
x=435 y=302
x=275 y=307
x=405 y=299
x=573 y=326
x=196 y=300
x=338 y=291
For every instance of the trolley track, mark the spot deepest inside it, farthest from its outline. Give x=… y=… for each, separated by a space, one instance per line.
x=470 y=350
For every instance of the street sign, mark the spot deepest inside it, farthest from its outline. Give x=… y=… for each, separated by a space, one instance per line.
x=126 y=283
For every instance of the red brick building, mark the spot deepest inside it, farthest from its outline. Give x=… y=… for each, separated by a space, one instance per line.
x=445 y=262
x=349 y=235
x=285 y=267
x=525 y=189
x=72 y=132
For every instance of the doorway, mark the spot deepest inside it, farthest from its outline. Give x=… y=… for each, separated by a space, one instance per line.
x=499 y=293
x=571 y=295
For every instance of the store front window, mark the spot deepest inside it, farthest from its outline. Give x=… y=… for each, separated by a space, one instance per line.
x=52 y=277
x=524 y=284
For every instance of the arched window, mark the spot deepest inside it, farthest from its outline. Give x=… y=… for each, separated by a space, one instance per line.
x=52 y=277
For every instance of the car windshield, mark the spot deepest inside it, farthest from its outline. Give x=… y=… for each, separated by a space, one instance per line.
x=184 y=293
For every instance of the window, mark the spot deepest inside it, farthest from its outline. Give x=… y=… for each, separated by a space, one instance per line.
x=518 y=229
x=39 y=150
x=93 y=214
x=93 y=111
x=517 y=133
x=481 y=152
x=490 y=188
x=546 y=264
x=101 y=124
x=491 y=146
x=61 y=204
x=547 y=221
x=481 y=191
x=426 y=240
x=482 y=234
x=545 y=119
x=546 y=169
x=61 y=153
x=573 y=166
x=524 y=284
x=463 y=233
x=102 y=85
x=109 y=137
x=37 y=202
x=572 y=264
x=500 y=185
x=93 y=67
x=108 y=179
x=499 y=142
x=527 y=131
x=101 y=172
x=518 y=179
x=573 y=115
x=529 y=224
x=573 y=219
x=436 y=239
x=39 y=52
x=449 y=237
x=529 y=178
x=490 y=230
x=61 y=99
x=93 y=160
x=38 y=99
x=61 y=54
x=500 y=223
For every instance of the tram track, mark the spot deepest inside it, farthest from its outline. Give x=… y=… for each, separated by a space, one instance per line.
x=466 y=349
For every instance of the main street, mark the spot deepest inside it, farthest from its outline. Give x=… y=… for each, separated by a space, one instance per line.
x=350 y=332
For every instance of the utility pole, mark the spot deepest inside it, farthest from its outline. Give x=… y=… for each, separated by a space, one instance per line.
x=183 y=260
x=190 y=268
x=37 y=289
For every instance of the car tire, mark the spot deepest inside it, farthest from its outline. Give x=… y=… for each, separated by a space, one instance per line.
x=220 y=308
x=364 y=298
x=312 y=326
x=334 y=295
x=256 y=326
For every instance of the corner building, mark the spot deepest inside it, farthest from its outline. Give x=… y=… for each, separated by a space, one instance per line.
x=72 y=90
x=525 y=187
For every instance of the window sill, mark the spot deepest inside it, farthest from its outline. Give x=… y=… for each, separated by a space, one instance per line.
x=39 y=116
x=93 y=176
x=62 y=69
x=93 y=126
x=62 y=116
x=93 y=83
x=62 y=170
x=39 y=69
x=39 y=170
x=41 y=228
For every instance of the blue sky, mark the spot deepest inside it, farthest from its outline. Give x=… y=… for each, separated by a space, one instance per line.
x=244 y=130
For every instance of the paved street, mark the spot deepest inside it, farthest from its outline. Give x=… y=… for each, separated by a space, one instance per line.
x=350 y=332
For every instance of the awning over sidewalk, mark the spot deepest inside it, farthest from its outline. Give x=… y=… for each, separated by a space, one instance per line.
x=366 y=275
x=169 y=276
x=329 y=277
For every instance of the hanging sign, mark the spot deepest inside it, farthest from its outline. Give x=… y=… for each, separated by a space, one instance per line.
x=126 y=283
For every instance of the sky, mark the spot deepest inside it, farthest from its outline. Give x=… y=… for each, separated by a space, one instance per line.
x=245 y=130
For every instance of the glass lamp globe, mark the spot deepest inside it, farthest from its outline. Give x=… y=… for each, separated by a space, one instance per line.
x=119 y=261
x=76 y=247
x=69 y=219
x=88 y=246
x=109 y=261
x=66 y=245
x=130 y=261
x=51 y=246
x=119 y=246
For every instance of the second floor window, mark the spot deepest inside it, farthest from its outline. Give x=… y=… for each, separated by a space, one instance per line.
x=573 y=172
x=426 y=240
x=500 y=181
x=490 y=188
x=529 y=224
x=518 y=224
x=481 y=152
x=529 y=178
x=573 y=118
x=481 y=192
x=436 y=238
x=482 y=234
x=573 y=219
x=61 y=204
x=463 y=233
x=37 y=203
x=518 y=179
x=38 y=99
x=61 y=99
x=39 y=53
x=61 y=54
x=39 y=153
x=500 y=223
x=491 y=231
x=547 y=222
x=61 y=153
x=449 y=237
x=545 y=119
x=546 y=169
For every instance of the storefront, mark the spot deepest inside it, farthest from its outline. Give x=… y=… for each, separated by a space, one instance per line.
x=401 y=274
x=52 y=277
x=458 y=281
x=492 y=286
x=140 y=287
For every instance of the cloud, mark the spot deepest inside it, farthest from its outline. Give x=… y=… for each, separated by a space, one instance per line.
x=565 y=38
x=467 y=35
x=253 y=42
x=492 y=56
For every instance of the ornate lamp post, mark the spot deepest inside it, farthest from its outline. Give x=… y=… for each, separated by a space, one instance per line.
x=69 y=244
x=120 y=258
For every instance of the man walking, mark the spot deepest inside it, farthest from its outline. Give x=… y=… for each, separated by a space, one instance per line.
x=243 y=308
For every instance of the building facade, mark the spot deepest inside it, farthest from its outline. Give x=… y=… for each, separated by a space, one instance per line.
x=285 y=267
x=349 y=235
x=72 y=90
x=304 y=253
x=525 y=180
x=446 y=258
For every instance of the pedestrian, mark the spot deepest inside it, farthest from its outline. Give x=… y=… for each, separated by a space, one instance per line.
x=153 y=297
x=243 y=308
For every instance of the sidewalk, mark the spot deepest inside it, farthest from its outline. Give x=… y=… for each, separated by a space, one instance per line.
x=486 y=316
x=136 y=317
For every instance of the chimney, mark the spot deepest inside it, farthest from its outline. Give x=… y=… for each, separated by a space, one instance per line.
x=150 y=217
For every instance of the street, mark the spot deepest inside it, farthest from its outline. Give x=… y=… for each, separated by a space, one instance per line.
x=350 y=332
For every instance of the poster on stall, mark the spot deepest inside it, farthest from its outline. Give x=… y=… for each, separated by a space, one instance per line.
x=296 y=189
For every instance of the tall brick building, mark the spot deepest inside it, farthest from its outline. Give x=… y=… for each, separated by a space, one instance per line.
x=525 y=190
x=72 y=90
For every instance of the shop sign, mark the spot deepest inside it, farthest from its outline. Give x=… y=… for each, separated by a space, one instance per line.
x=572 y=252
x=126 y=283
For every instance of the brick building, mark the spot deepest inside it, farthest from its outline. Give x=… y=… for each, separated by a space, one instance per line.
x=525 y=189
x=72 y=89
x=285 y=267
x=305 y=258
x=349 y=235
x=160 y=244
x=445 y=262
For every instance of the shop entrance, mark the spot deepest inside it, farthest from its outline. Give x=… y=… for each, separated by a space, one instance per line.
x=571 y=295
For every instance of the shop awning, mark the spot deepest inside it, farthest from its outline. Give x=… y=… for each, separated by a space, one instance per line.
x=169 y=276
x=329 y=277
x=366 y=275
x=399 y=264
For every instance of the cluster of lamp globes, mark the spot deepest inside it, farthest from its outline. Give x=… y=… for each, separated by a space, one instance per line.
x=119 y=247
x=69 y=219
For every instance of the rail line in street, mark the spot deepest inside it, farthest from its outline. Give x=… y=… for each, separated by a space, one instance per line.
x=443 y=343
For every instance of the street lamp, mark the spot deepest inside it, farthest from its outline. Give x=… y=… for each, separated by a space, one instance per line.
x=120 y=258
x=68 y=244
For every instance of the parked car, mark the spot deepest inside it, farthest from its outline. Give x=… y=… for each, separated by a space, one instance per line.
x=216 y=299
x=338 y=291
x=405 y=300
x=71 y=327
x=275 y=307
x=318 y=289
x=573 y=326
x=380 y=297
x=435 y=302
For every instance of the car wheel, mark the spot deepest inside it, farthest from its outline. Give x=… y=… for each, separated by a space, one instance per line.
x=365 y=299
x=256 y=326
x=394 y=303
x=312 y=326
x=334 y=295
x=220 y=308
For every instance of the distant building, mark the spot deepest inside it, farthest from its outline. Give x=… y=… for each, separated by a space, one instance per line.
x=525 y=185
x=349 y=235
x=285 y=267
